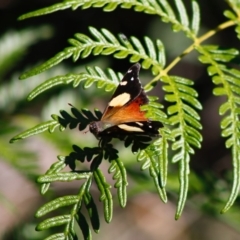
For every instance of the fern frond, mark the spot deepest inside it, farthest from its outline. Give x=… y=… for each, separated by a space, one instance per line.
x=153 y=159
x=104 y=44
x=106 y=195
x=42 y=127
x=55 y=168
x=79 y=119
x=120 y=176
x=186 y=126
x=62 y=177
x=227 y=81
x=107 y=81
x=57 y=203
x=68 y=220
x=161 y=8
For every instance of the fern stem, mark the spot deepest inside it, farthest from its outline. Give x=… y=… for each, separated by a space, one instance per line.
x=68 y=229
x=216 y=30
x=197 y=42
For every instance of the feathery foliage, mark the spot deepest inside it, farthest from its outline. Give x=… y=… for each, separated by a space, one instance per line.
x=181 y=132
x=227 y=81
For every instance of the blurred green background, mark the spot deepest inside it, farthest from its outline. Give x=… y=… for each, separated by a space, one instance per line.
x=24 y=44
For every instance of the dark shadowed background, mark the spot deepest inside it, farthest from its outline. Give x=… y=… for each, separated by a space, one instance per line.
x=145 y=216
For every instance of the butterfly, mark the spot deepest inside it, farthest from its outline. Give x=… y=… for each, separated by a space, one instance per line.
x=123 y=116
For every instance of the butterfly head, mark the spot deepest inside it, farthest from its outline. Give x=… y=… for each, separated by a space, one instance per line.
x=97 y=127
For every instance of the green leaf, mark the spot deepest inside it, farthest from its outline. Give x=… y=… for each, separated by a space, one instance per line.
x=229 y=14
x=193 y=121
x=236 y=178
x=84 y=226
x=182 y=80
x=98 y=35
x=152 y=158
x=121 y=54
x=224 y=108
x=57 y=236
x=138 y=45
x=184 y=181
x=170 y=98
x=53 y=222
x=106 y=196
x=182 y=13
x=88 y=83
x=110 y=7
x=235 y=89
x=168 y=9
x=163 y=159
x=189 y=110
x=63 y=177
x=186 y=89
x=193 y=132
x=226 y=121
x=177 y=144
x=55 y=167
x=92 y=211
x=56 y=203
x=161 y=53
x=42 y=127
x=219 y=91
x=232 y=80
x=110 y=37
x=52 y=82
x=196 y=17
x=120 y=175
x=47 y=10
x=82 y=38
x=59 y=57
x=172 y=109
x=212 y=70
x=193 y=101
x=151 y=48
x=229 y=143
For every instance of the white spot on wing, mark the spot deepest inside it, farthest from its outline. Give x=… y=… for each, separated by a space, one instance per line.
x=129 y=71
x=123 y=83
x=140 y=124
x=130 y=128
x=132 y=78
x=120 y=100
x=150 y=126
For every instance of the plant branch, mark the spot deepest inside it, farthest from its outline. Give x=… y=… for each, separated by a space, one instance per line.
x=197 y=42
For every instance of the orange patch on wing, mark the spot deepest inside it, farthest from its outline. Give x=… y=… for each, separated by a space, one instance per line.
x=129 y=113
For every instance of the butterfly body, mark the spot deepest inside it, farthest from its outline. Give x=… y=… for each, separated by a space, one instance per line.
x=123 y=115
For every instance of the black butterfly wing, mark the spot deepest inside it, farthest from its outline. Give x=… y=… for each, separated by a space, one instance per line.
x=127 y=91
x=145 y=128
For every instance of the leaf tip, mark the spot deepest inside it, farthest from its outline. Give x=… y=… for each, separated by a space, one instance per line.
x=14 y=139
x=177 y=216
